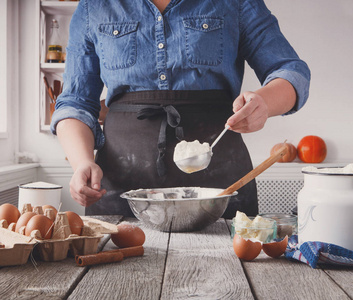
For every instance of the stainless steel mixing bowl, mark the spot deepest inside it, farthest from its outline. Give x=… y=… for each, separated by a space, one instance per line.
x=177 y=209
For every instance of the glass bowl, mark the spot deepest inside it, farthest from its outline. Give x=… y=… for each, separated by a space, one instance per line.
x=264 y=234
x=287 y=224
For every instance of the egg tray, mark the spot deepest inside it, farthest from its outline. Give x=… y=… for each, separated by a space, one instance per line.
x=18 y=247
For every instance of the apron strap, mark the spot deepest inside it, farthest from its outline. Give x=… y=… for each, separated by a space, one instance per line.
x=170 y=116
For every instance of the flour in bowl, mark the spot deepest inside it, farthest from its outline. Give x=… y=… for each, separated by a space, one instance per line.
x=185 y=149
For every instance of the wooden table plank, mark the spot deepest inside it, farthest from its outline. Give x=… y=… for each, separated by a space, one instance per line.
x=133 y=278
x=50 y=280
x=53 y=280
x=342 y=276
x=283 y=279
x=202 y=265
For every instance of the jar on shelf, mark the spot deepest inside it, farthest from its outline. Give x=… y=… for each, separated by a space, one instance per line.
x=54 y=54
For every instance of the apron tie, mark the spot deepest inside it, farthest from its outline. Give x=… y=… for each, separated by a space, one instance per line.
x=172 y=118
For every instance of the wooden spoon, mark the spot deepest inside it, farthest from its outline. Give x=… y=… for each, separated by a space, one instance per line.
x=49 y=90
x=255 y=172
x=57 y=88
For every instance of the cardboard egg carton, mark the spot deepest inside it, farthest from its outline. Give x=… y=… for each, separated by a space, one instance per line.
x=18 y=247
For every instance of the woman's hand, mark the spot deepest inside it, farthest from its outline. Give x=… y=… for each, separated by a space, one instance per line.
x=250 y=113
x=85 y=184
x=252 y=109
x=78 y=142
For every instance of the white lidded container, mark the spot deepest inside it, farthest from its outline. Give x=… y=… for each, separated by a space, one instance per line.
x=39 y=194
x=325 y=206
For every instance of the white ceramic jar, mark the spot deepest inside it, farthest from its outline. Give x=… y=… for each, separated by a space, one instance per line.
x=39 y=194
x=325 y=207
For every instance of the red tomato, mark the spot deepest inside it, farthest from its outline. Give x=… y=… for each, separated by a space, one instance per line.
x=312 y=149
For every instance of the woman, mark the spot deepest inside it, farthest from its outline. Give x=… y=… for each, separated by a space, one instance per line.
x=174 y=72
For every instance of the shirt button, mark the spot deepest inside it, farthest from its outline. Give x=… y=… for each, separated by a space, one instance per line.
x=115 y=32
x=205 y=26
x=160 y=45
x=163 y=77
x=159 y=18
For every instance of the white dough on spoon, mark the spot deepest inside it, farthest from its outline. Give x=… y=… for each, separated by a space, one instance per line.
x=185 y=149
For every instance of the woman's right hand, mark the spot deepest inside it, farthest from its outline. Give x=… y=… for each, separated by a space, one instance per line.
x=85 y=184
x=77 y=140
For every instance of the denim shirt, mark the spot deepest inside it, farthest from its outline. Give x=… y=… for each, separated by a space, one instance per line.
x=193 y=45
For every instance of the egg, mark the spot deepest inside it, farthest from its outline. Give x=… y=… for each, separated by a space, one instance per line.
x=47 y=206
x=23 y=220
x=128 y=235
x=9 y=212
x=277 y=248
x=50 y=211
x=41 y=223
x=75 y=222
x=246 y=248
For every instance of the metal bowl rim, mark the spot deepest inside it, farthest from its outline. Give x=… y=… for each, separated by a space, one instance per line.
x=124 y=195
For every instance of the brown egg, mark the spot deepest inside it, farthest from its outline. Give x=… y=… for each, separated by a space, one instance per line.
x=9 y=212
x=41 y=223
x=276 y=249
x=245 y=248
x=23 y=220
x=50 y=212
x=75 y=222
x=128 y=235
x=47 y=206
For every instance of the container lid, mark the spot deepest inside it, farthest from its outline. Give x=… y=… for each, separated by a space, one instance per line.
x=40 y=185
x=342 y=171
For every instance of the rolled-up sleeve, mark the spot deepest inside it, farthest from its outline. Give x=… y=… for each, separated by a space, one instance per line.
x=80 y=98
x=269 y=53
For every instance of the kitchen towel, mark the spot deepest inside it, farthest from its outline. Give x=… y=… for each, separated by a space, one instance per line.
x=314 y=253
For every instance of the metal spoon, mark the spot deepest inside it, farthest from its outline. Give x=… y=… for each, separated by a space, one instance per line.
x=199 y=162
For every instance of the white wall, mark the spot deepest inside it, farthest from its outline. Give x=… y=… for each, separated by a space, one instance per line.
x=9 y=83
x=320 y=31
x=44 y=145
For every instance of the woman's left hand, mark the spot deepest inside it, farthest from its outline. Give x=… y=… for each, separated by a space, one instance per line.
x=250 y=113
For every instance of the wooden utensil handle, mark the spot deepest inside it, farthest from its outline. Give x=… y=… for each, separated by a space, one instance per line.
x=255 y=172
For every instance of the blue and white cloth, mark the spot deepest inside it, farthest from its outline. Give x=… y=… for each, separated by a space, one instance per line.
x=314 y=253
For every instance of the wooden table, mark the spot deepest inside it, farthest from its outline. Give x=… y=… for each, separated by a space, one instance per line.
x=197 y=265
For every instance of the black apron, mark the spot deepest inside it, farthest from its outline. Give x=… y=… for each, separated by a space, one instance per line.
x=142 y=129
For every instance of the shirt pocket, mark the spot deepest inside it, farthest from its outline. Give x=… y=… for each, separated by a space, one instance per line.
x=118 y=44
x=204 y=40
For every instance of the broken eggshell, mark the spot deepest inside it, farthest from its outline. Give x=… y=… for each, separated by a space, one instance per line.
x=247 y=249
x=276 y=248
